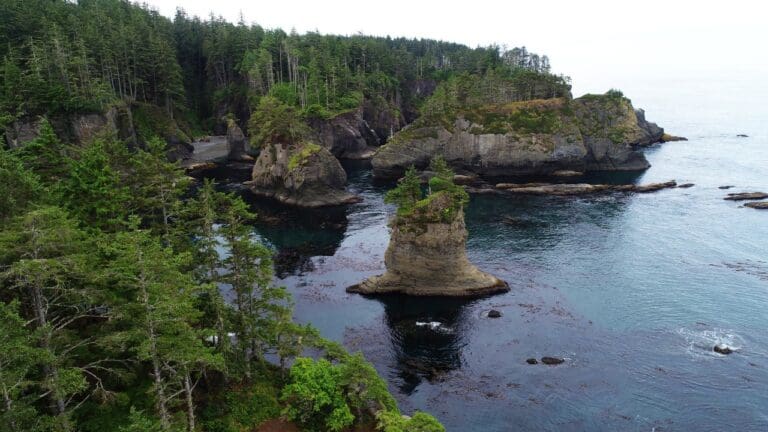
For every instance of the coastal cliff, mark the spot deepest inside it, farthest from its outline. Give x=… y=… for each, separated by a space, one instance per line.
x=591 y=133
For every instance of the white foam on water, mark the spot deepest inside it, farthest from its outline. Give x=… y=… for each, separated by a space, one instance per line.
x=703 y=342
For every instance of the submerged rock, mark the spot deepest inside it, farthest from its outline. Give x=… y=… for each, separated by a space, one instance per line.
x=579 y=188
x=567 y=173
x=726 y=187
x=746 y=196
x=427 y=256
x=686 y=185
x=532 y=361
x=594 y=132
x=552 y=360
x=759 y=205
x=742 y=136
x=304 y=175
x=671 y=138
x=722 y=349
x=493 y=313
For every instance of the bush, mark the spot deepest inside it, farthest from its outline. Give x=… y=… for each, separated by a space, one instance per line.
x=391 y=421
x=315 y=398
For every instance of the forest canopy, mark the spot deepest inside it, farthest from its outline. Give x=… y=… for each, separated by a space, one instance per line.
x=63 y=57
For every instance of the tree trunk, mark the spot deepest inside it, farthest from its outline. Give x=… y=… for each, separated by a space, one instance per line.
x=190 y=403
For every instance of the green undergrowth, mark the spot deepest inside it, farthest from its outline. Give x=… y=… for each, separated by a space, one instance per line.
x=301 y=157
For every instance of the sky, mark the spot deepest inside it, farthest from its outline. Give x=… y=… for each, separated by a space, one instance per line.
x=599 y=44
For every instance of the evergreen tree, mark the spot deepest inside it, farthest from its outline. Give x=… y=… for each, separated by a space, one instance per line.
x=160 y=326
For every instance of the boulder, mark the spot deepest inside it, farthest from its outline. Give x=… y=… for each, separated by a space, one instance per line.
x=532 y=361
x=346 y=136
x=303 y=175
x=746 y=196
x=592 y=133
x=493 y=313
x=742 y=136
x=722 y=349
x=686 y=185
x=552 y=360
x=427 y=256
x=726 y=187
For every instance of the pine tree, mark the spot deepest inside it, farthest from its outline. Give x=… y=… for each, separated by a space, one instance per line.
x=162 y=322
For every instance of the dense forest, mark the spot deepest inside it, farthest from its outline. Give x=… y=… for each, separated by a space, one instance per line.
x=111 y=266
x=63 y=57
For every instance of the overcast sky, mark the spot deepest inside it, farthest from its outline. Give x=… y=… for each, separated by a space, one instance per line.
x=600 y=44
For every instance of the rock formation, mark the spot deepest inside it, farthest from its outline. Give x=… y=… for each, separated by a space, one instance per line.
x=564 y=189
x=346 y=136
x=591 y=133
x=302 y=174
x=427 y=255
x=237 y=143
x=133 y=125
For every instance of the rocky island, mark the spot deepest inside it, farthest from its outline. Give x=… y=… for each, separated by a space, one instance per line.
x=427 y=251
x=290 y=168
x=481 y=133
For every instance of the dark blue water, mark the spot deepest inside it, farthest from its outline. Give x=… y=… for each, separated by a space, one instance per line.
x=633 y=290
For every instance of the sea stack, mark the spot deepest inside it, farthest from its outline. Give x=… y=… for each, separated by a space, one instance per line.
x=302 y=174
x=427 y=254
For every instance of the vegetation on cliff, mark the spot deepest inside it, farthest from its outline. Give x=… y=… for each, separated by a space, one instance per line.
x=441 y=202
x=112 y=315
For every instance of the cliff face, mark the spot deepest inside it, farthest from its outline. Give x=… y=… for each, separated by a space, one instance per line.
x=76 y=128
x=133 y=125
x=304 y=175
x=534 y=137
x=346 y=136
x=428 y=257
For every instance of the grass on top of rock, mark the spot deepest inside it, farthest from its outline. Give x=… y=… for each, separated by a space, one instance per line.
x=302 y=155
x=442 y=202
x=534 y=116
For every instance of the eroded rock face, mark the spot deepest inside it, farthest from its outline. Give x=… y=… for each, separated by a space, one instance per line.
x=346 y=136
x=304 y=175
x=430 y=259
x=76 y=128
x=592 y=133
x=237 y=144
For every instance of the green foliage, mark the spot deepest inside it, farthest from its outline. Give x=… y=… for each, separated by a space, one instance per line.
x=443 y=202
x=45 y=155
x=274 y=122
x=406 y=194
x=393 y=421
x=93 y=188
x=152 y=122
x=472 y=94
x=315 y=398
x=156 y=186
x=140 y=422
x=302 y=155
x=19 y=187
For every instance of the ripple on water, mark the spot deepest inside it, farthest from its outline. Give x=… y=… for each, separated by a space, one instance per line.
x=701 y=342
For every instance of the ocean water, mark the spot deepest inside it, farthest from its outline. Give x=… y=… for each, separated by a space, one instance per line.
x=633 y=290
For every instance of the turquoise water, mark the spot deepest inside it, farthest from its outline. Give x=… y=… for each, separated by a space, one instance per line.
x=633 y=290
